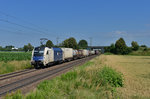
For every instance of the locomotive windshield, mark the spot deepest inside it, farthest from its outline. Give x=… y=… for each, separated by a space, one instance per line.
x=39 y=51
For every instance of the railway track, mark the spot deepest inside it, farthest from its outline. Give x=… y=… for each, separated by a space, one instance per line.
x=4 y=89
x=15 y=74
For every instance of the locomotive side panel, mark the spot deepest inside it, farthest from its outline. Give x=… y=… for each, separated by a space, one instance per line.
x=58 y=54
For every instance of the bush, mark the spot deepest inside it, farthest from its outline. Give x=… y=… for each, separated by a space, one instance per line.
x=108 y=75
x=143 y=46
x=145 y=49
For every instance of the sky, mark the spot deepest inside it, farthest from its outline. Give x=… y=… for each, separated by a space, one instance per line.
x=102 y=21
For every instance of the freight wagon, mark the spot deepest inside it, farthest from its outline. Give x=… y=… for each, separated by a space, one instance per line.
x=85 y=53
x=67 y=54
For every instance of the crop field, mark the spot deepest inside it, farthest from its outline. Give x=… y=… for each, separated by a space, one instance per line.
x=11 y=56
x=14 y=61
x=136 y=71
x=12 y=66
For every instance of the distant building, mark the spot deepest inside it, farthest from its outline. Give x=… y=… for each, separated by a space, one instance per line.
x=14 y=48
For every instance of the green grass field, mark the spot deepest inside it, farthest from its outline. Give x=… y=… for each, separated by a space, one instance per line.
x=14 y=61
x=11 y=56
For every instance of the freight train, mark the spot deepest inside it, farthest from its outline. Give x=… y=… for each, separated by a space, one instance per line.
x=44 y=56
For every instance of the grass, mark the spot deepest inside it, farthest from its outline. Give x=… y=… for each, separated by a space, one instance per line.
x=140 y=53
x=108 y=53
x=99 y=78
x=11 y=56
x=14 y=61
x=136 y=73
x=91 y=81
x=12 y=66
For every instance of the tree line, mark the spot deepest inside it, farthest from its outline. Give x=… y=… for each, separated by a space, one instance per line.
x=120 y=47
x=69 y=43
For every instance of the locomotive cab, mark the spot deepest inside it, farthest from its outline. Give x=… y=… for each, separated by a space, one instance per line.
x=44 y=56
x=38 y=57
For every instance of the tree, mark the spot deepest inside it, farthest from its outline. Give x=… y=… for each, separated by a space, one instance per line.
x=28 y=47
x=49 y=44
x=25 y=48
x=43 y=45
x=112 y=48
x=9 y=47
x=143 y=46
x=121 y=47
x=135 y=46
x=1 y=48
x=107 y=49
x=83 y=44
x=70 y=43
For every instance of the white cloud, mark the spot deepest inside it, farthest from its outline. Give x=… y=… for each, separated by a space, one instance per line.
x=120 y=32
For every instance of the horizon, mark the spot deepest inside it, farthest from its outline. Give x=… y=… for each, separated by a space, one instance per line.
x=23 y=22
x=77 y=43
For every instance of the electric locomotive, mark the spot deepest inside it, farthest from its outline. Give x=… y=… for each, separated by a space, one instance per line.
x=43 y=56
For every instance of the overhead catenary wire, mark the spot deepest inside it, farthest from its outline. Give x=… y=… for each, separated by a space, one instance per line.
x=10 y=31
x=14 y=17
x=18 y=32
x=33 y=27
x=7 y=21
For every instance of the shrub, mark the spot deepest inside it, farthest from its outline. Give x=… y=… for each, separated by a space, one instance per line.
x=143 y=46
x=108 y=75
x=145 y=49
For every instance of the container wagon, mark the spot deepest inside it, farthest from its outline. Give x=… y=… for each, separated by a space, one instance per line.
x=67 y=54
x=85 y=53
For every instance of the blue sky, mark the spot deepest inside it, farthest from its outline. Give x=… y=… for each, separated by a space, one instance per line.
x=26 y=21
